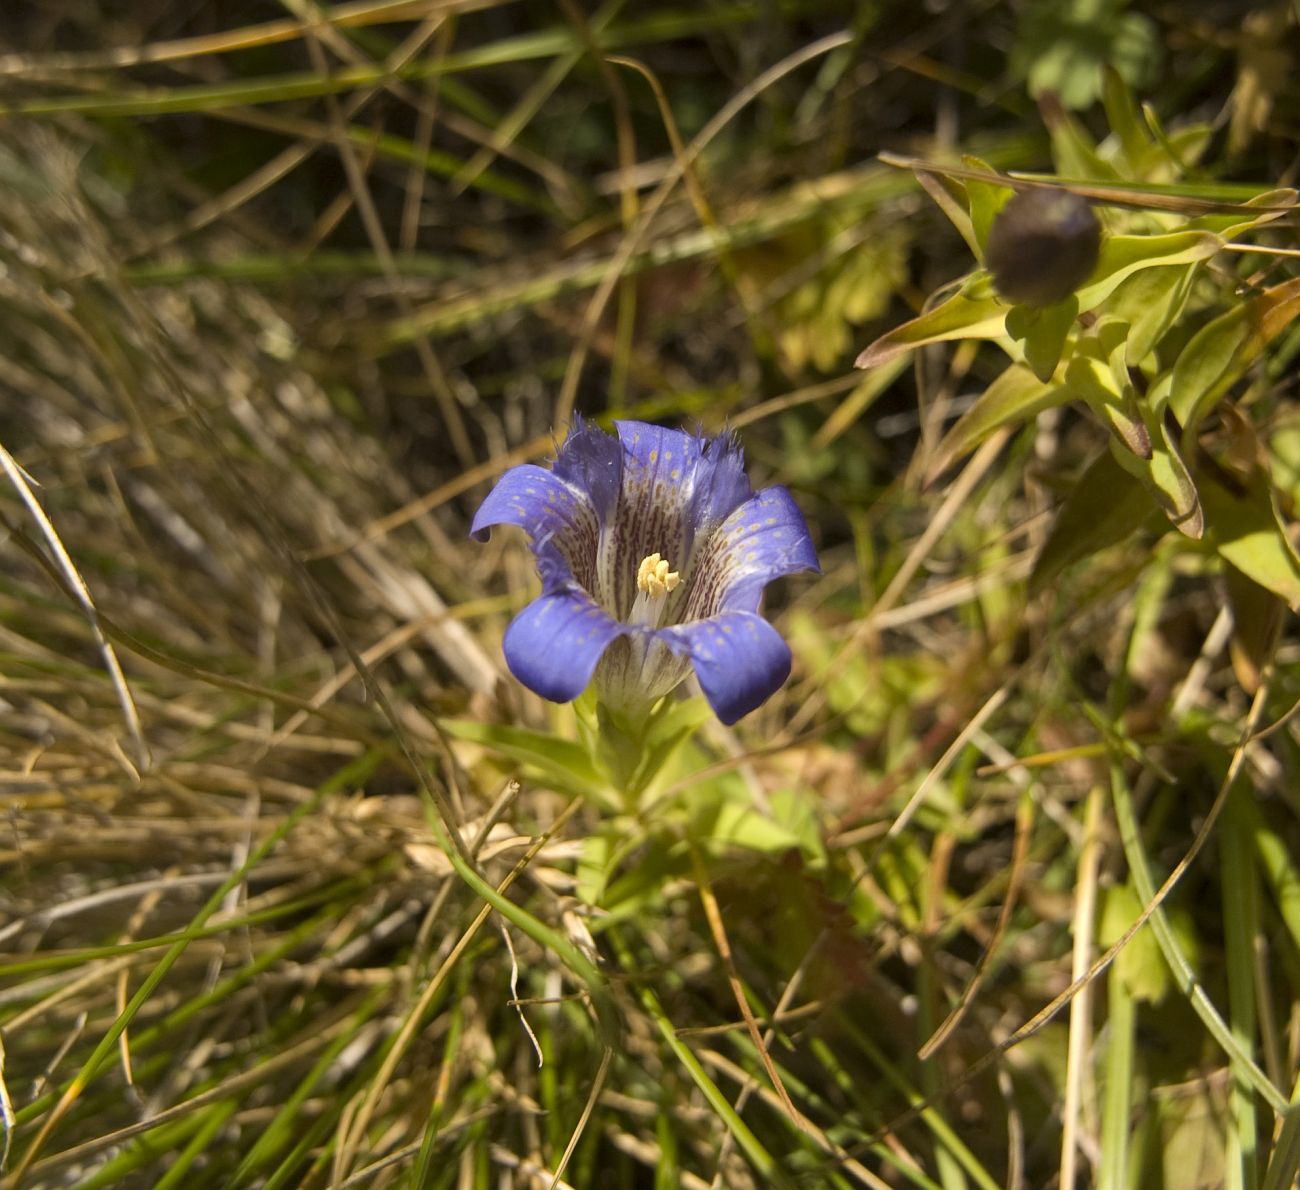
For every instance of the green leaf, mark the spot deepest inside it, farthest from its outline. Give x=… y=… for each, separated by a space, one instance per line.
x=1074 y=152
x=985 y=200
x=1150 y=301
x=1140 y=964
x=1256 y=617
x=1043 y=331
x=1122 y=116
x=957 y=318
x=1246 y=531
x=1016 y=395
x=796 y=811
x=1166 y=477
x=1231 y=224
x=733 y=824
x=933 y=185
x=670 y=727
x=1107 y=504
x=564 y=764
x=1093 y=381
x=595 y=863
x=1122 y=256
x=1220 y=351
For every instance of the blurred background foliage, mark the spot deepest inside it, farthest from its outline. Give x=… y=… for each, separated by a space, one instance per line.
x=285 y=286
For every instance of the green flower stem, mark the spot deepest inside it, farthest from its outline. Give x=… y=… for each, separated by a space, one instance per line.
x=634 y=751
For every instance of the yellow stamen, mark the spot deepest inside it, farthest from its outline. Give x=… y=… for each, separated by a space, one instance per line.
x=653 y=578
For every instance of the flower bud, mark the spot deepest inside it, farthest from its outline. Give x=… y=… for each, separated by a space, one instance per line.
x=1042 y=247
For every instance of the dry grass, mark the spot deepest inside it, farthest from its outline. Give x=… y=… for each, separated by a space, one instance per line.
x=278 y=299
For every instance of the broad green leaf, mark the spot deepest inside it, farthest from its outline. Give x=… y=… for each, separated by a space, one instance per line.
x=1091 y=380
x=1122 y=256
x=1151 y=301
x=1220 y=351
x=1015 y=396
x=1043 y=332
x=796 y=810
x=734 y=821
x=1166 y=477
x=1246 y=532
x=1107 y=504
x=564 y=764
x=957 y=318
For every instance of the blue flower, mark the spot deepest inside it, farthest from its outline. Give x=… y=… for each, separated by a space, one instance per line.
x=653 y=551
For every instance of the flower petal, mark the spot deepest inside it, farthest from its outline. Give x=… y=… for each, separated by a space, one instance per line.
x=721 y=485
x=592 y=461
x=763 y=539
x=739 y=658
x=677 y=488
x=711 y=469
x=558 y=517
x=553 y=645
x=531 y=497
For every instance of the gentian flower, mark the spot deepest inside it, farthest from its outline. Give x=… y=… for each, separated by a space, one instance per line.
x=653 y=551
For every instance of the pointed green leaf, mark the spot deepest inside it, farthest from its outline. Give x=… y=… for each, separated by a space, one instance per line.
x=1220 y=351
x=1166 y=477
x=1122 y=116
x=1073 y=150
x=985 y=200
x=1107 y=504
x=1231 y=224
x=1122 y=256
x=933 y=185
x=564 y=764
x=957 y=318
x=1015 y=396
x=1092 y=381
x=1043 y=331
x=1150 y=301
x=1246 y=532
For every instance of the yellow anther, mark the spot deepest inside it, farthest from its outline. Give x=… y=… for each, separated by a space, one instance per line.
x=653 y=578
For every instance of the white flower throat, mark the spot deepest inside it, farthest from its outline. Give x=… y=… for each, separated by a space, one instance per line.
x=654 y=583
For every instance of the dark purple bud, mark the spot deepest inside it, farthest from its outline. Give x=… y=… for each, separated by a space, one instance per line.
x=1043 y=245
